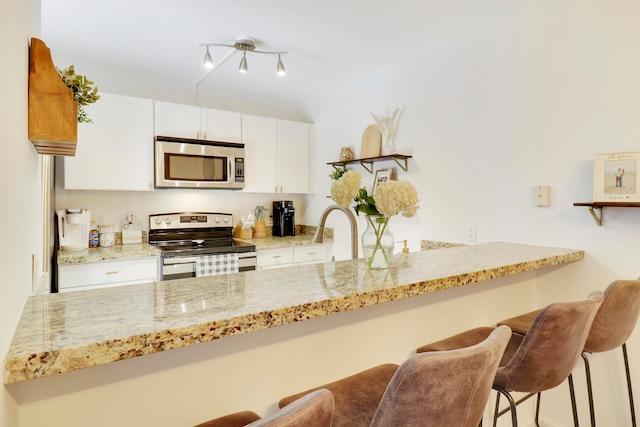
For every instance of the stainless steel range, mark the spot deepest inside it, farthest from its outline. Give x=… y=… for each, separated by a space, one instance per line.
x=184 y=236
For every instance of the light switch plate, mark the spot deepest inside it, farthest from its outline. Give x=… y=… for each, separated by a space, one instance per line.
x=541 y=195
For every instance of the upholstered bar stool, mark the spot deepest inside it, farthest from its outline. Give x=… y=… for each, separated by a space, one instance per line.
x=312 y=410
x=440 y=389
x=611 y=328
x=539 y=360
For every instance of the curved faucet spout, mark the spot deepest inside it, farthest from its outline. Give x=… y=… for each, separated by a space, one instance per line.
x=318 y=237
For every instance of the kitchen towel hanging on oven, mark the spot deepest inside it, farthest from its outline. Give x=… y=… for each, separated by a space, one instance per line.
x=211 y=265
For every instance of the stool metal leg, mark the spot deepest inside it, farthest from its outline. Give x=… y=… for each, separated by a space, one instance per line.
x=626 y=368
x=574 y=407
x=512 y=406
x=538 y=409
x=587 y=371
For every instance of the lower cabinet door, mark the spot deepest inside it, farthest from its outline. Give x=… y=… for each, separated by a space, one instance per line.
x=104 y=274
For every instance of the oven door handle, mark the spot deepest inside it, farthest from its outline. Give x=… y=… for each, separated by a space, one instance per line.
x=186 y=260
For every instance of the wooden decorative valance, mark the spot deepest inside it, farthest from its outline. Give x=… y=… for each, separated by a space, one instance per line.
x=53 y=113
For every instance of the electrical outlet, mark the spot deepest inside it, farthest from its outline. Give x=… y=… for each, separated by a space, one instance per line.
x=541 y=195
x=472 y=231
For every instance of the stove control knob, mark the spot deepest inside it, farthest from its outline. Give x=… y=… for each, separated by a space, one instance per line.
x=226 y=219
x=217 y=219
x=158 y=221
x=168 y=221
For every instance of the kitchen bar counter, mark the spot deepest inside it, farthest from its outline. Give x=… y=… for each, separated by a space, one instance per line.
x=64 y=332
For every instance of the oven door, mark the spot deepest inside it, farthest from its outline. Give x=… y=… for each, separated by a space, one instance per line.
x=185 y=267
x=198 y=164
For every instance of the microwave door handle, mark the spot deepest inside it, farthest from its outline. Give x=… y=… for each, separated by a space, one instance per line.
x=232 y=170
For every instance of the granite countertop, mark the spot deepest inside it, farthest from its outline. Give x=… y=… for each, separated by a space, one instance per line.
x=63 y=332
x=113 y=253
x=304 y=237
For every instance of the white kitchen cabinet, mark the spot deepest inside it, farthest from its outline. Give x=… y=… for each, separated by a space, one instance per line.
x=120 y=139
x=187 y=121
x=291 y=255
x=94 y=275
x=277 y=155
x=260 y=137
x=274 y=258
x=312 y=254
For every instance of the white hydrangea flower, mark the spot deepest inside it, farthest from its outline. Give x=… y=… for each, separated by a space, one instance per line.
x=394 y=197
x=346 y=188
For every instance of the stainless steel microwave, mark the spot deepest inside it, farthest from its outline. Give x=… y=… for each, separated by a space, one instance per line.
x=194 y=163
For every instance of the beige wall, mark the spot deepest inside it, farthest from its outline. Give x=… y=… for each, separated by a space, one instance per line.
x=19 y=175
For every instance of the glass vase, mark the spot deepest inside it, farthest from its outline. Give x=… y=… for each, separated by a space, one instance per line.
x=377 y=242
x=389 y=147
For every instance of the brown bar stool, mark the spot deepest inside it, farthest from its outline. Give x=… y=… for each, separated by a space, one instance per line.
x=539 y=360
x=312 y=410
x=439 y=389
x=611 y=328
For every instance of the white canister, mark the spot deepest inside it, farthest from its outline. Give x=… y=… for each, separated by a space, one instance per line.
x=107 y=237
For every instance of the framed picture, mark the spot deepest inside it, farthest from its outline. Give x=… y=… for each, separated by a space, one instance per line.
x=616 y=178
x=382 y=175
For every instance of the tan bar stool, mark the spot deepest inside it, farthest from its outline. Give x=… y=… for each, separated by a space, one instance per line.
x=312 y=410
x=611 y=328
x=440 y=389
x=539 y=360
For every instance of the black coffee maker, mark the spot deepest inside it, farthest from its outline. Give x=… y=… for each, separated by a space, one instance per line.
x=283 y=222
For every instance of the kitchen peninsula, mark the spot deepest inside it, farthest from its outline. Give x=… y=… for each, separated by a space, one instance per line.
x=65 y=332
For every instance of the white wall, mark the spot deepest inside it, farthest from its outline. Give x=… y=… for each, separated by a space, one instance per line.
x=494 y=113
x=19 y=174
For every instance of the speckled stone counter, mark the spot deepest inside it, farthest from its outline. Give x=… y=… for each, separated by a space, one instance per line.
x=304 y=237
x=64 y=332
x=116 y=252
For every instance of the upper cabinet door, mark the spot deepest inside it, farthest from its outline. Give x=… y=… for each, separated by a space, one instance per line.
x=260 y=137
x=115 y=152
x=219 y=125
x=181 y=121
x=295 y=142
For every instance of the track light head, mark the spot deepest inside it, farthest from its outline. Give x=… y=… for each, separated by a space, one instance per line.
x=243 y=63
x=281 y=70
x=208 y=62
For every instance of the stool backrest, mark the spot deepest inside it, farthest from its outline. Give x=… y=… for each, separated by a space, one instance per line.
x=443 y=388
x=616 y=318
x=546 y=355
x=312 y=410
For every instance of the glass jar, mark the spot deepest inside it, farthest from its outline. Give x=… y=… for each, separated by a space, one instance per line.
x=107 y=235
x=377 y=242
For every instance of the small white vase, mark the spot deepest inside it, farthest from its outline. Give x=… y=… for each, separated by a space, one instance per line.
x=389 y=147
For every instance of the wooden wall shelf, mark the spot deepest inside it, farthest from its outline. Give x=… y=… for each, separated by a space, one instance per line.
x=368 y=162
x=53 y=113
x=599 y=207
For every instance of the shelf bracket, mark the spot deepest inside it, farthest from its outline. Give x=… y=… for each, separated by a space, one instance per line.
x=368 y=168
x=397 y=160
x=596 y=216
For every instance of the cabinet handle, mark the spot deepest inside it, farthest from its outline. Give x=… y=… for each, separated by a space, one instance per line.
x=198 y=135
x=111 y=272
x=311 y=253
x=205 y=135
x=277 y=256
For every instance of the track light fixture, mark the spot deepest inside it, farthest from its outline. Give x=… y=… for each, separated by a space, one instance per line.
x=208 y=62
x=246 y=44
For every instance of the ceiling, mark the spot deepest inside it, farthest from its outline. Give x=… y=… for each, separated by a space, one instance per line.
x=330 y=42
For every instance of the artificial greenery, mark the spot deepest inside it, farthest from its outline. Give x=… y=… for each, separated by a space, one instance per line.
x=336 y=174
x=83 y=93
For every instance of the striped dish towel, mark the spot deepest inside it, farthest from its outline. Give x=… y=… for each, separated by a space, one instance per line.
x=210 y=265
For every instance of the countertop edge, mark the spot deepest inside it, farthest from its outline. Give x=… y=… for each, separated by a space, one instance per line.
x=46 y=363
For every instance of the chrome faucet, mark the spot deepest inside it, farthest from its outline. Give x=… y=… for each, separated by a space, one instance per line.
x=318 y=237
